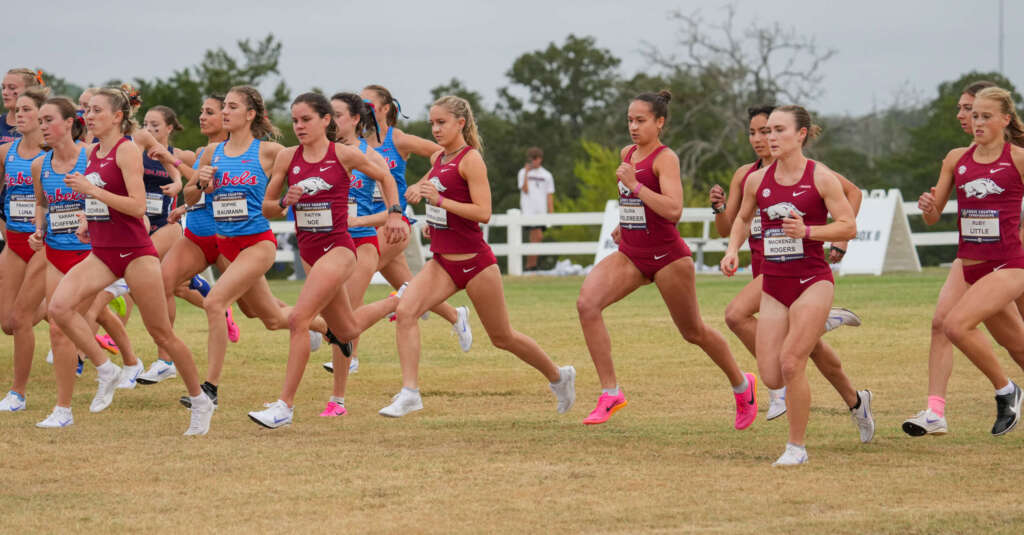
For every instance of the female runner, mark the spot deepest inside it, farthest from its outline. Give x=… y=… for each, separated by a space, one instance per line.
x=739 y=314
x=794 y=197
x=650 y=250
x=987 y=177
x=121 y=247
x=317 y=173
x=459 y=199
x=14 y=83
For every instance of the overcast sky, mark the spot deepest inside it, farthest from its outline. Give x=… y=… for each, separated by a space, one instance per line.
x=883 y=47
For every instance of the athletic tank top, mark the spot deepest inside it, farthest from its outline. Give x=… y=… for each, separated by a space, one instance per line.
x=158 y=205
x=643 y=228
x=110 y=228
x=785 y=256
x=362 y=197
x=8 y=132
x=322 y=211
x=397 y=167
x=450 y=233
x=989 y=200
x=64 y=205
x=199 y=216
x=756 y=245
x=20 y=197
x=238 y=192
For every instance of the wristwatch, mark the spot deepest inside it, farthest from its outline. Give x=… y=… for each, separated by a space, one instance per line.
x=395 y=209
x=718 y=210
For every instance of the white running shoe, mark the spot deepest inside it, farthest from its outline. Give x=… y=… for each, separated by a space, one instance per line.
x=565 y=388
x=329 y=366
x=49 y=356
x=60 y=417
x=315 y=340
x=277 y=414
x=839 y=316
x=353 y=365
x=158 y=371
x=862 y=417
x=105 y=391
x=794 y=455
x=462 y=329
x=776 y=403
x=925 y=423
x=130 y=375
x=201 y=414
x=12 y=402
x=404 y=402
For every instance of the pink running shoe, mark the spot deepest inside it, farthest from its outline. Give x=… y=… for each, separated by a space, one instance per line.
x=746 y=403
x=333 y=409
x=606 y=407
x=234 y=333
x=106 y=342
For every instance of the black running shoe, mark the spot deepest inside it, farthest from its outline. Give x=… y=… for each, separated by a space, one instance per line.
x=211 y=392
x=1007 y=411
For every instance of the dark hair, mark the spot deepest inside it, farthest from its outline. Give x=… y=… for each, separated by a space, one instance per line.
x=765 y=110
x=170 y=117
x=69 y=110
x=321 y=107
x=803 y=120
x=533 y=153
x=365 y=111
x=38 y=94
x=261 y=126
x=385 y=95
x=973 y=88
x=658 y=102
x=219 y=97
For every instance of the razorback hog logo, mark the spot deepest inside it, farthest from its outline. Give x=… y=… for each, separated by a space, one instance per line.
x=19 y=180
x=436 y=182
x=780 y=210
x=246 y=178
x=981 y=188
x=313 y=185
x=96 y=179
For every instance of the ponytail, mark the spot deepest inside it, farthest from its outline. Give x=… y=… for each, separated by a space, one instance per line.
x=364 y=109
x=460 y=108
x=68 y=110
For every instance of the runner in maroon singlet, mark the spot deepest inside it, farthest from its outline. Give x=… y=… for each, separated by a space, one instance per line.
x=794 y=197
x=114 y=206
x=317 y=174
x=650 y=250
x=987 y=177
x=459 y=200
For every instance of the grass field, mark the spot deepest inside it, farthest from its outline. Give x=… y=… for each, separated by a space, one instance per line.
x=490 y=454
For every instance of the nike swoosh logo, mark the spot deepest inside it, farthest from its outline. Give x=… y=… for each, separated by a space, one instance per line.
x=805 y=281
x=999 y=266
x=996 y=170
x=930 y=421
x=798 y=193
x=468 y=270
x=104 y=164
x=125 y=255
x=328 y=248
x=751 y=402
x=279 y=420
x=322 y=169
x=656 y=257
x=246 y=161
x=65 y=423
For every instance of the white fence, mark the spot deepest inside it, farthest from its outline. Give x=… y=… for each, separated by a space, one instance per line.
x=515 y=249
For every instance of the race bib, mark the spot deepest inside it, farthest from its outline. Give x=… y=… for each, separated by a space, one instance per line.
x=378 y=196
x=781 y=248
x=23 y=208
x=979 y=226
x=353 y=208
x=154 y=203
x=314 y=217
x=96 y=210
x=64 y=218
x=631 y=214
x=199 y=205
x=230 y=207
x=755 y=228
x=437 y=217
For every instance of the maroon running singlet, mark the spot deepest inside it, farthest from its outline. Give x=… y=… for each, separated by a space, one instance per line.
x=321 y=215
x=756 y=245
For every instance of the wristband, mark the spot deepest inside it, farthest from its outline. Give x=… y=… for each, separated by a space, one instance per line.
x=280 y=202
x=807 y=232
x=717 y=210
x=440 y=199
x=177 y=163
x=636 y=191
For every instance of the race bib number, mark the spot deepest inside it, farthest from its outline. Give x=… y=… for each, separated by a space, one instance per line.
x=755 y=228
x=23 y=208
x=781 y=248
x=314 y=217
x=230 y=207
x=154 y=203
x=979 y=226
x=378 y=196
x=353 y=208
x=199 y=205
x=96 y=210
x=631 y=214
x=64 y=218
x=437 y=217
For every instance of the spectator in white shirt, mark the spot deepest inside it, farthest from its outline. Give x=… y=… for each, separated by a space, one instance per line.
x=536 y=196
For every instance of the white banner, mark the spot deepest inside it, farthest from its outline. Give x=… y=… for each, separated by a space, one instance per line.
x=883 y=242
x=605 y=244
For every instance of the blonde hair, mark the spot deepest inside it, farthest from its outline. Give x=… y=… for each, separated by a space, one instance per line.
x=1014 y=132
x=30 y=77
x=459 y=107
x=261 y=126
x=121 y=100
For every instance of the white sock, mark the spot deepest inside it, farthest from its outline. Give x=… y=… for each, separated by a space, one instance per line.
x=411 y=390
x=1008 y=389
x=777 y=393
x=611 y=391
x=339 y=401
x=106 y=369
x=742 y=387
x=791 y=445
x=200 y=401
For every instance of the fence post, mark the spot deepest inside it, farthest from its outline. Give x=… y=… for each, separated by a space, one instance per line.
x=515 y=242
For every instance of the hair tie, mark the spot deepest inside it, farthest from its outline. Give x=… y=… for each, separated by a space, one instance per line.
x=39 y=77
x=370 y=104
x=399 y=106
